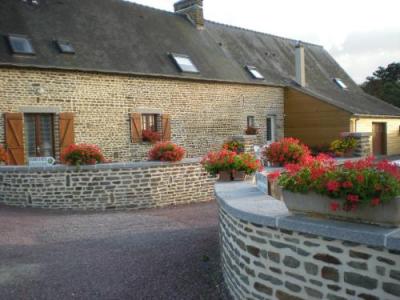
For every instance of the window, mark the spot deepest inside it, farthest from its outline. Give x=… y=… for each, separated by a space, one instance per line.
x=340 y=83
x=65 y=47
x=184 y=63
x=150 y=122
x=39 y=135
x=254 y=72
x=251 y=122
x=270 y=129
x=20 y=45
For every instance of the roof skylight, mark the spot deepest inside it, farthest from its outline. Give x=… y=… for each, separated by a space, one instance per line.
x=340 y=83
x=184 y=63
x=20 y=45
x=254 y=72
x=65 y=47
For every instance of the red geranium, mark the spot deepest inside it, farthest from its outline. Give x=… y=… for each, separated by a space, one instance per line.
x=286 y=151
x=82 y=154
x=151 y=136
x=3 y=155
x=167 y=151
x=223 y=160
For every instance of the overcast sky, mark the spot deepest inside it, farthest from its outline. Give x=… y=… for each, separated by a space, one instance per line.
x=360 y=34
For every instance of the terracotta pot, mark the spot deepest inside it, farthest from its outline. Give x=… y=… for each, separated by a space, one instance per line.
x=319 y=205
x=225 y=176
x=238 y=175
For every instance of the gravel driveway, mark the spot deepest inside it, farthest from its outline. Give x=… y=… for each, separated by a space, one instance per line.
x=169 y=253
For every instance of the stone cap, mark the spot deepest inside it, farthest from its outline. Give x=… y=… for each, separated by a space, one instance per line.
x=244 y=201
x=356 y=134
x=110 y=166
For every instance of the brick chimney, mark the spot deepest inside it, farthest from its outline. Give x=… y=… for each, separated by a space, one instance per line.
x=193 y=10
x=300 y=65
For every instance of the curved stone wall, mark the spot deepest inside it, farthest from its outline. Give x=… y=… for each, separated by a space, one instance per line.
x=106 y=186
x=269 y=254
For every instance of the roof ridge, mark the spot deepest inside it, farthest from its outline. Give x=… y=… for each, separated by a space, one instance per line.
x=264 y=33
x=130 y=2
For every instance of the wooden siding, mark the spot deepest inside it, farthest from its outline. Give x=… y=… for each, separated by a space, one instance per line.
x=392 y=130
x=313 y=121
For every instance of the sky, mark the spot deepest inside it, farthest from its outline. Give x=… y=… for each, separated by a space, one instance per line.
x=360 y=34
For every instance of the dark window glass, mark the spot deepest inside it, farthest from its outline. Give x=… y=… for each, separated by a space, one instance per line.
x=20 y=45
x=269 y=129
x=39 y=134
x=150 y=122
x=65 y=47
x=250 y=122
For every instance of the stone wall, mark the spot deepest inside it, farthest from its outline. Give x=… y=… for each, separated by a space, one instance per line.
x=268 y=263
x=364 y=147
x=203 y=114
x=108 y=186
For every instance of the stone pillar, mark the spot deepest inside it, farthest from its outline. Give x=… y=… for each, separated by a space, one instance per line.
x=249 y=142
x=364 y=140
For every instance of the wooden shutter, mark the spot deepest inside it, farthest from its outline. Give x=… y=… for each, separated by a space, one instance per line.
x=67 y=133
x=14 y=136
x=136 y=127
x=166 y=127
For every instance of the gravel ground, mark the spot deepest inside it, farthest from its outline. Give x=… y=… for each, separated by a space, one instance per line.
x=169 y=253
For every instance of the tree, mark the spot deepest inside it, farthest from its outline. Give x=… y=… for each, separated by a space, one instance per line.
x=385 y=84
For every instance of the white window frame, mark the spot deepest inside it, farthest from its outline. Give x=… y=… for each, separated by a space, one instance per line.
x=273 y=129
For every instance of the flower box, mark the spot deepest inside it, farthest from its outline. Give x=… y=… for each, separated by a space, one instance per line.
x=238 y=175
x=319 y=205
x=224 y=176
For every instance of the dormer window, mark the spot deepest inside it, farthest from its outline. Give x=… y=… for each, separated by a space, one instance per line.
x=20 y=45
x=340 y=83
x=184 y=63
x=254 y=72
x=65 y=47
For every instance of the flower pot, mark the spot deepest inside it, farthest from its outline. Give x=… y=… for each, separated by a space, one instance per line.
x=318 y=205
x=238 y=175
x=225 y=176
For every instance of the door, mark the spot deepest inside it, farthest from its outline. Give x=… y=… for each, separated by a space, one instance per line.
x=379 y=138
x=39 y=135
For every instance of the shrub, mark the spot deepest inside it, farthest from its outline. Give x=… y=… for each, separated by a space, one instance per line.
x=215 y=162
x=82 y=154
x=234 y=146
x=3 y=155
x=151 y=136
x=343 y=146
x=166 y=151
x=287 y=150
x=355 y=184
x=247 y=163
x=321 y=148
x=251 y=130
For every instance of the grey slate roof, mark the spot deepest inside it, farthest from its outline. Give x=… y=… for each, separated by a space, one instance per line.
x=123 y=37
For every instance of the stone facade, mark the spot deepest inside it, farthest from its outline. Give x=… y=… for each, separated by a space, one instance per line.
x=364 y=141
x=203 y=114
x=261 y=262
x=108 y=186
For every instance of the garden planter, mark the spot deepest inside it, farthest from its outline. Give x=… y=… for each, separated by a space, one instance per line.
x=225 y=176
x=238 y=175
x=319 y=205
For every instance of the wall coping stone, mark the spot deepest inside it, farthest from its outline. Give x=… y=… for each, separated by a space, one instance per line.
x=110 y=166
x=244 y=201
x=356 y=134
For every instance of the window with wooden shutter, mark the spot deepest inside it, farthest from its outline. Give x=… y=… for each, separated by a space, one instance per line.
x=136 y=127
x=67 y=132
x=166 y=127
x=14 y=137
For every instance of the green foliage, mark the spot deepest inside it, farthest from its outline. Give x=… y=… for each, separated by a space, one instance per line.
x=344 y=145
x=385 y=84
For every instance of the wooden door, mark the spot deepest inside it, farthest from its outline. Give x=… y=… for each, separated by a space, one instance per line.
x=379 y=138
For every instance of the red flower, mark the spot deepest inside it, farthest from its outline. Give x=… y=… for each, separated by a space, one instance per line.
x=3 y=154
x=347 y=184
x=360 y=178
x=375 y=202
x=335 y=206
x=332 y=185
x=82 y=154
x=274 y=176
x=166 y=151
x=353 y=198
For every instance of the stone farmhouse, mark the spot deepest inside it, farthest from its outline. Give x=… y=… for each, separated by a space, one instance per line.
x=102 y=71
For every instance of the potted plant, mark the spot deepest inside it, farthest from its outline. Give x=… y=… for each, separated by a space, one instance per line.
x=245 y=164
x=364 y=191
x=220 y=163
x=3 y=156
x=251 y=130
x=344 y=147
x=82 y=154
x=234 y=146
x=166 y=151
x=150 y=136
x=287 y=150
